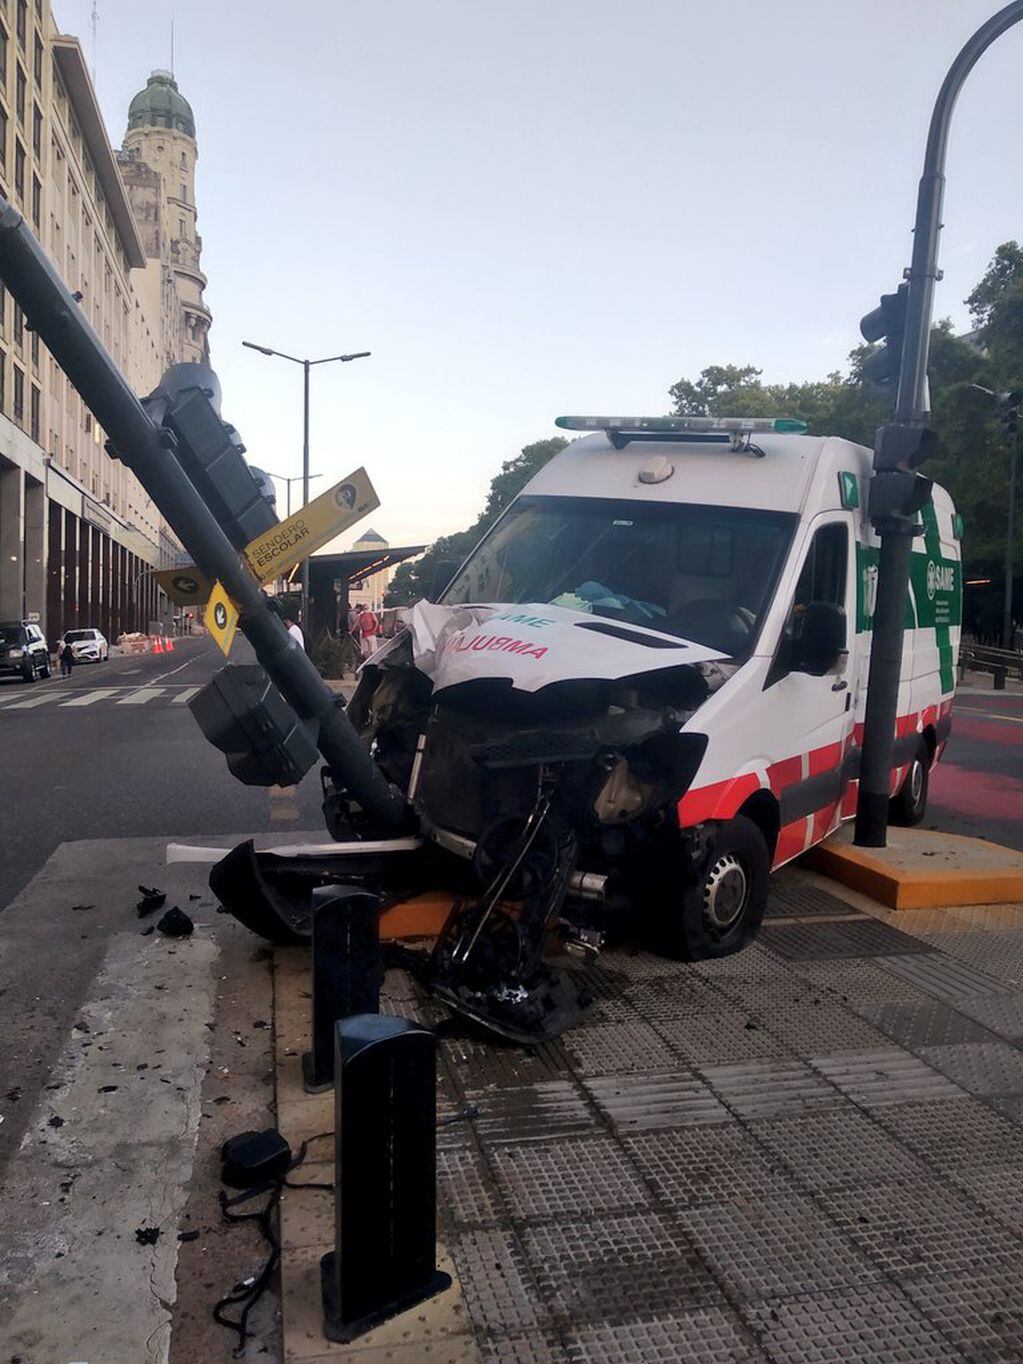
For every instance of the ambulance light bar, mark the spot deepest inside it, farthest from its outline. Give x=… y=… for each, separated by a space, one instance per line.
x=682 y=426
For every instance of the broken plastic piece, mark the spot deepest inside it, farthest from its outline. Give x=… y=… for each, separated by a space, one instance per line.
x=175 y=924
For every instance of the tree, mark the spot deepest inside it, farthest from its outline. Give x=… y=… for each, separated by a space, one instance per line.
x=415 y=580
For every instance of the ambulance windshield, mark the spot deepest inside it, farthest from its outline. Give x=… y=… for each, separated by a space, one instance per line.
x=700 y=573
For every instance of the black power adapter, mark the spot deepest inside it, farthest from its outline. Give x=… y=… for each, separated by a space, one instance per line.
x=254 y=1158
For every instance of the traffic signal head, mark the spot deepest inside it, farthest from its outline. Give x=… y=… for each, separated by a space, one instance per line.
x=887 y=322
x=1010 y=403
x=243 y=714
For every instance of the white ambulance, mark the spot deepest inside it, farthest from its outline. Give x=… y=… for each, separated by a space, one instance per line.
x=659 y=653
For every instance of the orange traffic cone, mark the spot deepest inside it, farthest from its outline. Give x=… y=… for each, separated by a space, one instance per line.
x=157 y=645
x=169 y=646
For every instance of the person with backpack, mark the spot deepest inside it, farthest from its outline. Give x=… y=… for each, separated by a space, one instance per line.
x=367 y=629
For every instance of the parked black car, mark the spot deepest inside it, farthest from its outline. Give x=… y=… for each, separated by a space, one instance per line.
x=23 y=650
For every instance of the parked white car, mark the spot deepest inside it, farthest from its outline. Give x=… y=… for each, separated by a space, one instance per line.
x=88 y=646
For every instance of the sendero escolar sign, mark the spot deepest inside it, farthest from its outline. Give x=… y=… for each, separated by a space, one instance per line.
x=293 y=540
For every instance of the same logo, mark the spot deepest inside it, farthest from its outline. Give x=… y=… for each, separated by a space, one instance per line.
x=940 y=578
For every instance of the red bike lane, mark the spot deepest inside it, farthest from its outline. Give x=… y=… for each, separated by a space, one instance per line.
x=977 y=788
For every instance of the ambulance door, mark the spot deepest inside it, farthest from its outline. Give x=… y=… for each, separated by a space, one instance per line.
x=814 y=715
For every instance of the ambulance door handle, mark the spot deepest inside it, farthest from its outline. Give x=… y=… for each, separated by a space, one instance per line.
x=839 y=686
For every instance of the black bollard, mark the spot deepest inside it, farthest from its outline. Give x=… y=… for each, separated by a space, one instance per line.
x=385 y=1175
x=346 y=971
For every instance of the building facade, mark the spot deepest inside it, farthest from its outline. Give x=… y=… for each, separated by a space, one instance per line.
x=371 y=589
x=79 y=537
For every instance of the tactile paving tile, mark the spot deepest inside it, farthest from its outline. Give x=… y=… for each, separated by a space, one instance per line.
x=999 y=1190
x=980 y=1311
x=995 y=954
x=911 y=1229
x=942 y=977
x=778 y=1246
x=821 y=941
x=1009 y=1105
x=719 y=1037
x=872 y=1324
x=521 y=1349
x=709 y=1335
x=928 y=1023
x=465 y=1195
x=543 y=1111
x=817 y=1028
x=637 y=1102
x=962 y=1132
x=619 y=1048
x=800 y=899
x=639 y=965
x=497 y=1286
x=618 y=1268
x=474 y=1064
x=886 y=1075
x=853 y=981
x=980 y=1067
x=698 y=1167
x=1003 y=1014
x=567 y=1178
x=670 y=997
x=837 y=1150
x=761 y=995
x=770 y=1088
x=754 y=962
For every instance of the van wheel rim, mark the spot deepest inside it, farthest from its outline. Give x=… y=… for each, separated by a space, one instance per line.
x=725 y=893
x=916 y=781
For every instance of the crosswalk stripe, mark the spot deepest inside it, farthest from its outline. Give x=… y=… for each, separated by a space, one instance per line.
x=33 y=702
x=140 y=697
x=101 y=695
x=186 y=695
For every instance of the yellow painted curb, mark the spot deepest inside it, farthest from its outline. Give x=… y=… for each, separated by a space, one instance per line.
x=905 y=888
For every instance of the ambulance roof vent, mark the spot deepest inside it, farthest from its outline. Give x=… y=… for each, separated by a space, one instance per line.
x=622 y=431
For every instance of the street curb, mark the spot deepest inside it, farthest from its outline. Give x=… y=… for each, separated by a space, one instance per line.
x=889 y=875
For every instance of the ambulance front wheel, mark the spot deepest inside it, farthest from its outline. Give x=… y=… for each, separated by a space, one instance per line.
x=722 y=912
x=909 y=805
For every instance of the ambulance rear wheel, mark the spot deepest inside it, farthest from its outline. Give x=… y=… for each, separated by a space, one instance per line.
x=909 y=806
x=723 y=911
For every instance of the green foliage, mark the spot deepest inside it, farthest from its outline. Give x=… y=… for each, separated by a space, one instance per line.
x=415 y=580
x=973 y=457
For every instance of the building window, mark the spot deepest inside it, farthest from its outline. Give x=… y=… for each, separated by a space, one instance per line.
x=20 y=86
x=37 y=201
x=184 y=161
x=34 y=345
x=3 y=141
x=3 y=55
x=37 y=131
x=22 y=22
x=3 y=309
x=19 y=396
x=3 y=389
x=19 y=170
x=34 y=401
x=37 y=60
x=19 y=325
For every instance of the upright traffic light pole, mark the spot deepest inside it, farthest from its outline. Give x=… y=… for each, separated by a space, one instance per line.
x=897 y=493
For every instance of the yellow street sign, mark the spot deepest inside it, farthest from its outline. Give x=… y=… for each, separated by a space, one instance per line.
x=185 y=586
x=221 y=618
x=293 y=540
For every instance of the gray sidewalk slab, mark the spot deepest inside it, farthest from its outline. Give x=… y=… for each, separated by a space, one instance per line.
x=808 y=1152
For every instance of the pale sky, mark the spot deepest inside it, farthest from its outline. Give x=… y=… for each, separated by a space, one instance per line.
x=530 y=207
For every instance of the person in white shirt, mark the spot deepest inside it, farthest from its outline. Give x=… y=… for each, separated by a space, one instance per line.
x=295 y=631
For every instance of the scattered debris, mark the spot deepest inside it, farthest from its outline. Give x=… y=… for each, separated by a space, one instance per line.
x=195 y=897
x=146 y=931
x=77 y=909
x=189 y=1235
x=13 y=1094
x=152 y=900
x=55 y=1121
x=107 y=1089
x=175 y=923
x=261 y=1023
x=147 y=1236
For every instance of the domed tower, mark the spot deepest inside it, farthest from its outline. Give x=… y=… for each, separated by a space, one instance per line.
x=157 y=163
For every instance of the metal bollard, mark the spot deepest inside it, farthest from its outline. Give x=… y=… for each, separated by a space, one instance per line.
x=1000 y=674
x=346 y=970
x=385 y=1175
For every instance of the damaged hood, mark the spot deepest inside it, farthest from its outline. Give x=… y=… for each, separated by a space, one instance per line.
x=533 y=645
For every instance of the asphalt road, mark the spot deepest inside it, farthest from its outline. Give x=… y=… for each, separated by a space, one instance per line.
x=977 y=788
x=114 y=752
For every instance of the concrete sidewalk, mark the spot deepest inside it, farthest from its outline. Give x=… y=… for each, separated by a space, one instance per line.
x=809 y=1152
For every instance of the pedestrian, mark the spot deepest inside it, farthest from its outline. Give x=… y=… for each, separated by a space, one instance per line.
x=368 y=627
x=67 y=658
x=295 y=631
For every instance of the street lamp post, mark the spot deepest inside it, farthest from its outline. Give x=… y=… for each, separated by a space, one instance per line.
x=297 y=478
x=306 y=367
x=897 y=494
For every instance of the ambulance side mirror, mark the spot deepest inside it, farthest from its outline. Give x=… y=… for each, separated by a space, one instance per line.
x=822 y=639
